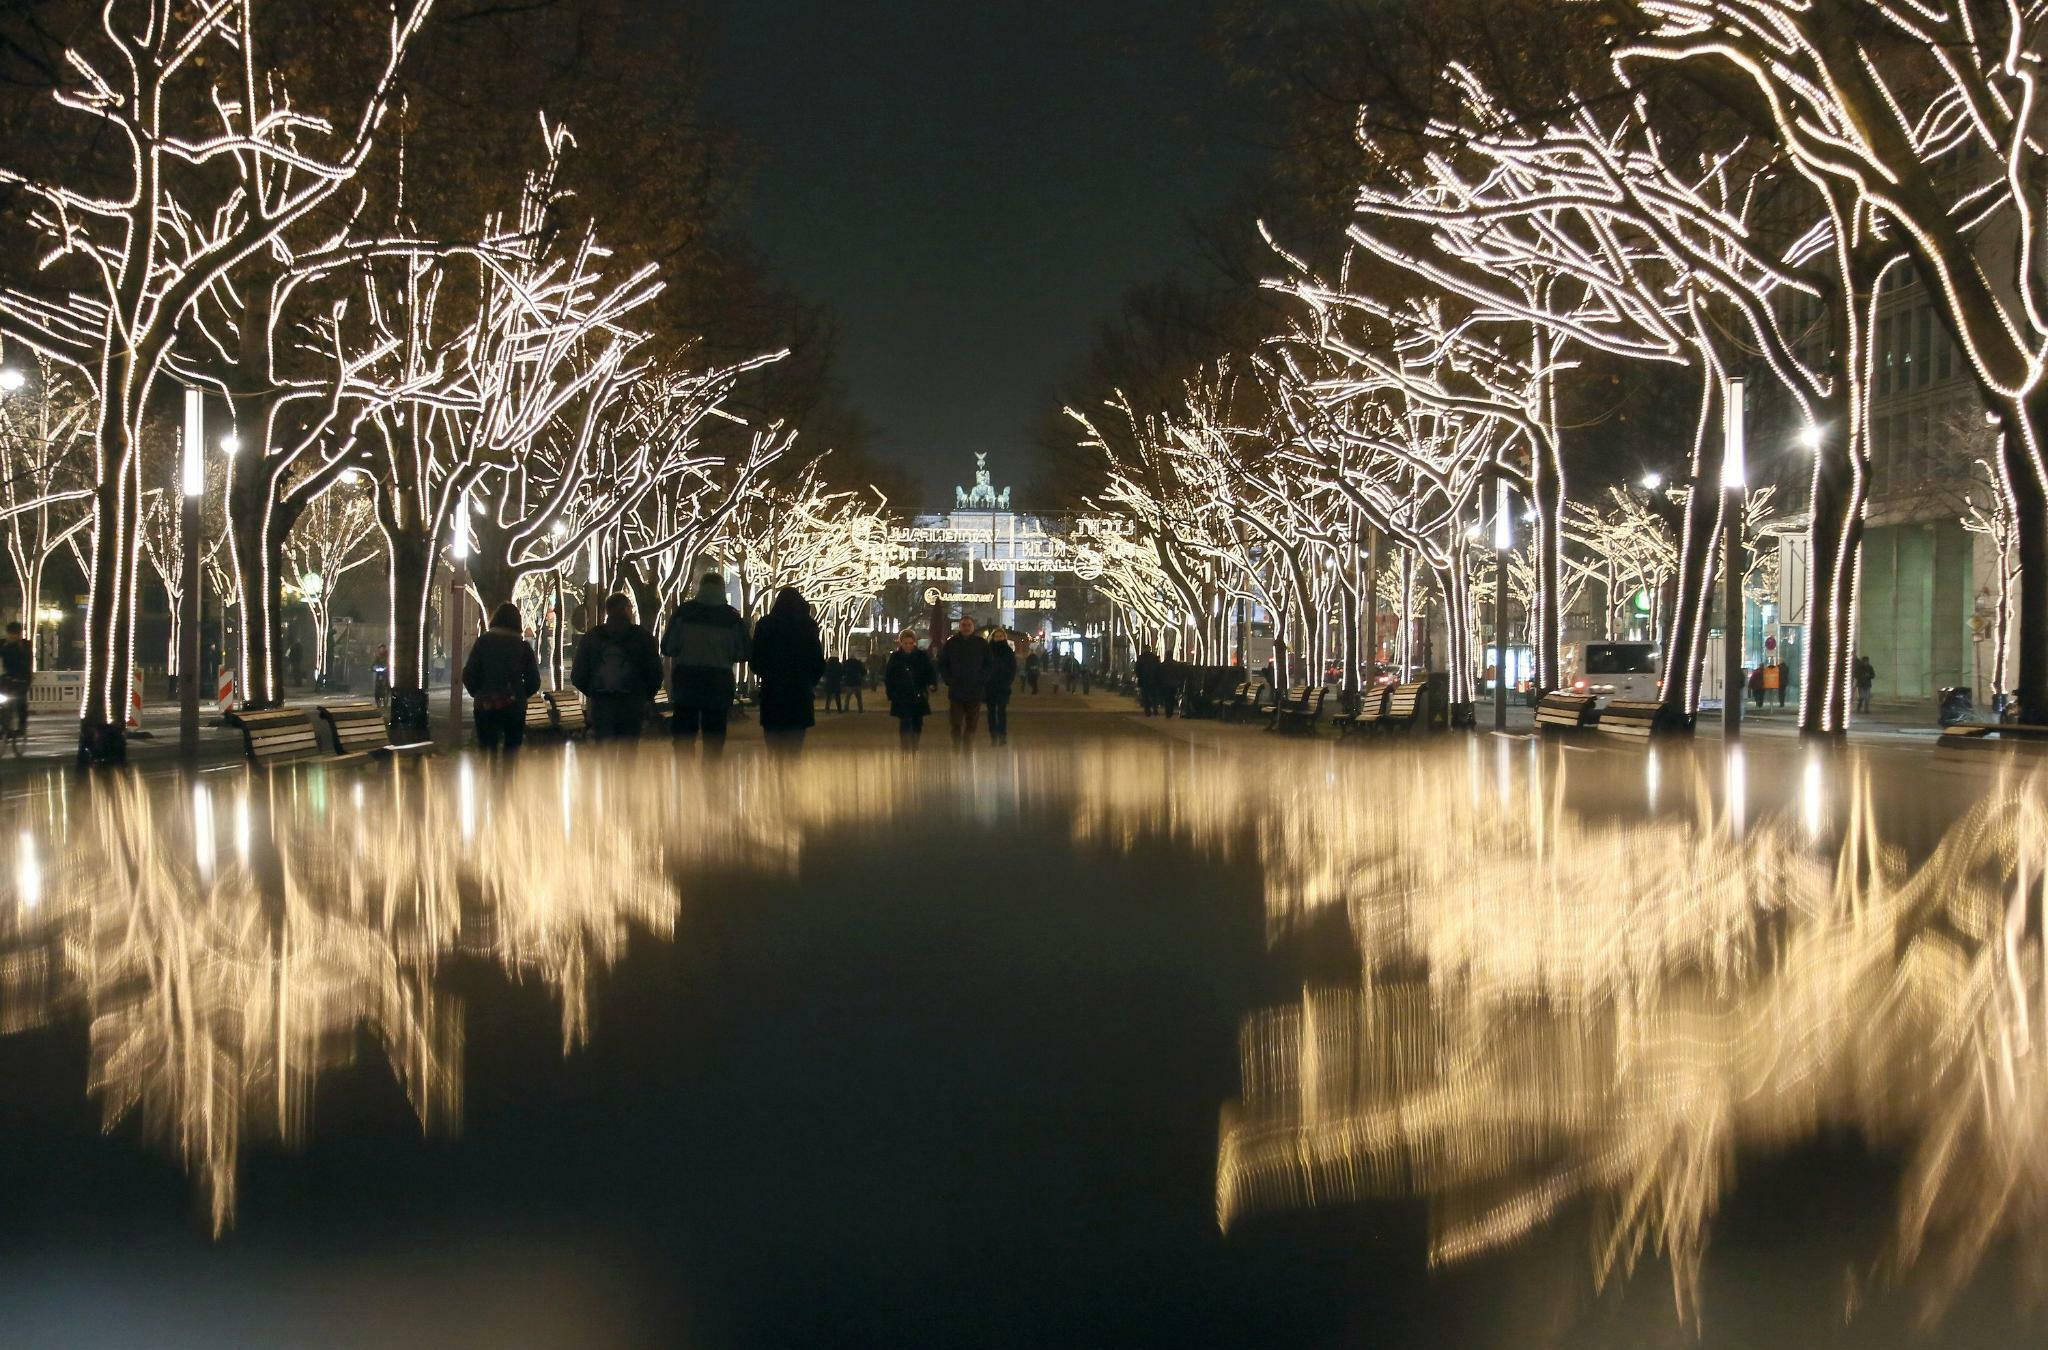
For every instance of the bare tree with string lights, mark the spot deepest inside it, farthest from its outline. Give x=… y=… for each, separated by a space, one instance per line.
x=208 y=161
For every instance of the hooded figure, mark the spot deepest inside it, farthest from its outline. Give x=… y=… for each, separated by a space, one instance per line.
x=788 y=659
x=500 y=675
x=705 y=639
x=618 y=670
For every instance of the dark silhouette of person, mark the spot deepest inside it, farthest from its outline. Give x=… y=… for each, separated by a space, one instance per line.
x=618 y=671
x=788 y=659
x=1147 y=670
x=501 y=673
x=705 y=639
x=963 y=665
x=1865 y=676
x=909 y=678
x=1002 y=676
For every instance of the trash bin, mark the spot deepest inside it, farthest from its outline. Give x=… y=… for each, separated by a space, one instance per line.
x=1956 y=705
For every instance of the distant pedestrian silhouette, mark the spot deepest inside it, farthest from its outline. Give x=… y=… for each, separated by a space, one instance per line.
x=909 y=679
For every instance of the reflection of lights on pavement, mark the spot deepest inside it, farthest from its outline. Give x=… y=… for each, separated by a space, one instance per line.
x=242 y=832
x=202 y=831
x=1813 y=808
x=465 y=791
x=1738 y=791
x=28 y=873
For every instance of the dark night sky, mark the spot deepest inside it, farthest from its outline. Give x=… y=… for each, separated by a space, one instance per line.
x=969 y=185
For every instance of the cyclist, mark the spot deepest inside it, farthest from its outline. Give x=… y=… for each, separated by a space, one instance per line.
x=16 y=668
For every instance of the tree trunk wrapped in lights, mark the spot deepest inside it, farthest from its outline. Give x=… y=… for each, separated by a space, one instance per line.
x=1924 y=120
x=211 y=162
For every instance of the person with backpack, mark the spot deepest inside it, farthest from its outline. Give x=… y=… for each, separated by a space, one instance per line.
x=1031 y=664
x=909 y=679
x=618 y=672
x=704 y=640
x=501 y=674
x=1864 y=675
x=788 y=658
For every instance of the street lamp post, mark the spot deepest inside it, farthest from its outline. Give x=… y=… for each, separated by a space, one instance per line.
x=1503 y=542
x=192 y=484
x=1734 y=476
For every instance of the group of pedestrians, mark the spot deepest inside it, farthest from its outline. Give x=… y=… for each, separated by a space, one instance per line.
x=618 y=670
x=979 y=673
x=1159 y=682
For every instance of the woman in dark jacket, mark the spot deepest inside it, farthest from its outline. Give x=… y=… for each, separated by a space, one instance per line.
x=1002 y=675
x=500 y=675
x=909 y=678
x=788 y=658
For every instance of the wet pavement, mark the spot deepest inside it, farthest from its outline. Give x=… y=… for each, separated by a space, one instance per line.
x=1131 y=1033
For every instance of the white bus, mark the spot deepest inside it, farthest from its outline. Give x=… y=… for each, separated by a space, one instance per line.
x=1624 y=670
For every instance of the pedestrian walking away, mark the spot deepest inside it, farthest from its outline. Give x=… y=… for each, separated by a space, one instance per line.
x=705 y=638
x=500 y=675
x=1002 y=674
x=618 y=670
x=788 y=659
x=1865 y=675
x=1031 y=664
x=852 y=681
x=17 y=673
x=963 y=665
x=909 y=678
x=835 y=684
x=1146 y=668
x=1756 y=686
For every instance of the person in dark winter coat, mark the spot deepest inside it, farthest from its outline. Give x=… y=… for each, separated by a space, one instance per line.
x=618 y=671
x=909 y=679
x=1146 y=668
x=1002 y=674
x=1031 y=663
x=963 y=665
x=1864 y=674
x=500 y=674
x=835 y=684
x=788 y=659
x=705 y=639
x=852 y=680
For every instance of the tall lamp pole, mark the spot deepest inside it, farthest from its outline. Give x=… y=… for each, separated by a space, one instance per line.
x=192 y=485
x=1503 y=543
x=1734 y=476
x=458 y=601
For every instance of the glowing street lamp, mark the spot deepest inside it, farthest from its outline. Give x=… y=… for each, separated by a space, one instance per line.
x=11 y=379
x=231 y=445
x=1652 y=481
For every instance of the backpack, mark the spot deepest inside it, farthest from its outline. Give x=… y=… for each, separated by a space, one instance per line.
x=615 y=671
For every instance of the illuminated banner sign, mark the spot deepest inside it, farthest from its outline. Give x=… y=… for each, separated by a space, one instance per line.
x=934 y=596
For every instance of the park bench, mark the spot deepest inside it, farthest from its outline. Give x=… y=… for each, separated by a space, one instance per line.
x=1977 y=735
x=567 y=707
x=1372 y=706
x=1243 y=702
x=664 y=711
x=360 y=729
x=1635 y=719
x=1560 y=712
x=278 y=735
x=1407 y=708
x=1293 y=699
x=1302 y=716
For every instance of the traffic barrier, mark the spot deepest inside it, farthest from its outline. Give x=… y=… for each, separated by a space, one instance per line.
x=227 y=691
